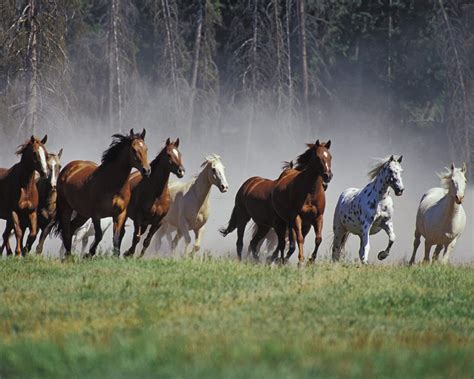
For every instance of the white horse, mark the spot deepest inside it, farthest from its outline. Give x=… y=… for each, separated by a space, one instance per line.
x=189 y=208
x=441 y=218
x=368 y=210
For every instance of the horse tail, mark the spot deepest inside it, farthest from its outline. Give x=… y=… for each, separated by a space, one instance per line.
x=57 y=228
x=232 y=225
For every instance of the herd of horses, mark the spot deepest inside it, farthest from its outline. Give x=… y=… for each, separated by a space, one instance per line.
x=61 y=201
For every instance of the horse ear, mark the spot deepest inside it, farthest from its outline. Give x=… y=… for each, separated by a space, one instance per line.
x=177 y=142
x=464 y=168
x=399 y=160
x=131 y=132
x=142 y=136
x=328 y=144
x=168 y=142
x=392 y=158
x=317 y=143
x=60 y=153
x=32 y=139
x=452 y=166
x=45 y=138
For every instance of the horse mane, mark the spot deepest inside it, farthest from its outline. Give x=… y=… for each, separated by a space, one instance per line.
x=211 y=158
x=155 y=161
x=303 y=159
x=377 y=167
x=287 y=165
x=119 y=141
x=445 y=177
x=21 y=148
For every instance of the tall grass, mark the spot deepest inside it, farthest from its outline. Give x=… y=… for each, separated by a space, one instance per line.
x=219 y=318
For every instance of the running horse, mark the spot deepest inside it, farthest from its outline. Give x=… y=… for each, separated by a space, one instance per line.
x=299 y=194
x=255 y=199
x=150 y=200
x=99 y=191
x=19 y=195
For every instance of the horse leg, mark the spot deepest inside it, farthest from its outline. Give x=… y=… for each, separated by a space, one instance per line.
x=426 y=259
x=18 y=233
x=339 y=239
x=119 y=223
x=137 y=233
x=388 y=227
x=318 y=231
x=153 y=228
x=198 y=233
x=175 y=241
x=65 y=223
x=448 y=250
x=98 y=237
x=416 y=244
x=33 y=225
x=291 y=241
x=6 y=237
x=159 y=236
x=300 y=239
x=240 y=238
x=281 y=234
x=261 y=232
x=122 y=234
x=437 y=250
x=364 y=245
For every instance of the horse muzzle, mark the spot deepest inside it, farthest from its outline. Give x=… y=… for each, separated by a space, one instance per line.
x=327 y=177
x=180 y=172
x=223 y=188
x=145 y=171
x=459 y=199
x=399 y=192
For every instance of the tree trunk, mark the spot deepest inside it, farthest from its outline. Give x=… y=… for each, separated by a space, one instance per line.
x=278 y=43
x=195 y=66
x=288 y=65
x=303 y=59
x=31 y=95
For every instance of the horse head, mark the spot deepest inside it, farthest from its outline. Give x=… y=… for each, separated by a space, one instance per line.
x=54 y=167
x=33 y=152
x=457 y=182
x=393 y=174
x=216 y=172
x=322 y=159
x=139 y=152
x=174 y=157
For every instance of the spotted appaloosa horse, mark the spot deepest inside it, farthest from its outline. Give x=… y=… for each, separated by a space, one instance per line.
x=368 y=210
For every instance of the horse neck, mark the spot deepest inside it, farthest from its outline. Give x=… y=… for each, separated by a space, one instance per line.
x=26 y=171
x=307 y=180
x=450 y=207
x=159 y=178
x=48 y=194
x=378 y=189
x=202 y=186
x=117 y=171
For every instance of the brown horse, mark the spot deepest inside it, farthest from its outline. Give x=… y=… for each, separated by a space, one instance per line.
x=47 y=198
x=19 y=195
x=299 y=195
x=96 y=192
x=253 y=201
x=150 y=200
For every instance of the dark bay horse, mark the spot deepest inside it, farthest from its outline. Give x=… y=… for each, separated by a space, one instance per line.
x=47 y=198
x=291 y=193
x=150 y=200
x=253 y=201
x=96 y=192
x=19 y=195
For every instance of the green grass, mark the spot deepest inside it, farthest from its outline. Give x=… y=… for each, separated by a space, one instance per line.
x=218 y=318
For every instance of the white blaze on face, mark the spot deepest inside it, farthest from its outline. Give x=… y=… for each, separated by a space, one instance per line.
x=54 y=178
x=176 y=154
x=326 y=155
x=42 y=156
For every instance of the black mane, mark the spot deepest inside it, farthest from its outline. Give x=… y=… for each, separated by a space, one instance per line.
x=119 y=141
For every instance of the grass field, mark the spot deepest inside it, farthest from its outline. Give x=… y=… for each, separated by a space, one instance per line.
x=218 y=318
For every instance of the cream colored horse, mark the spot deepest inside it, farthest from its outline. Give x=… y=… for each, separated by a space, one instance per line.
x=441 y=218
x=189 y=209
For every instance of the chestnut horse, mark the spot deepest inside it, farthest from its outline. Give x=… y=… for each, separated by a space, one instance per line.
x=252 y=201
x=19 y=195
x=299 y=195
x=96 y=192
x=150 y=200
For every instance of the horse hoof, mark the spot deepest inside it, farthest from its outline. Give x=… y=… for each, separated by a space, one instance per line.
x=382 y=255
